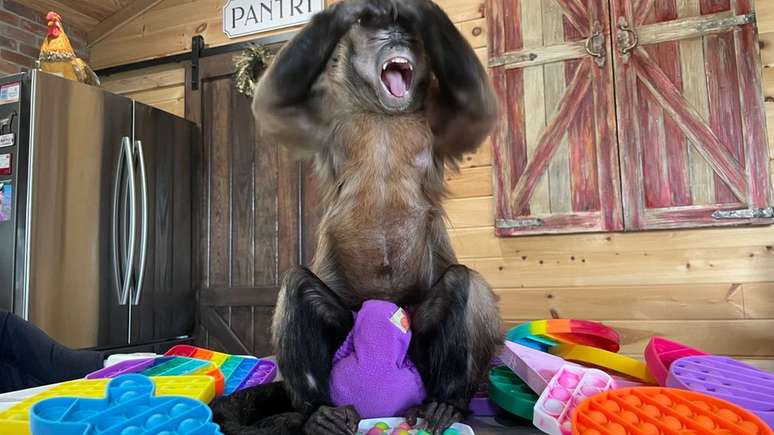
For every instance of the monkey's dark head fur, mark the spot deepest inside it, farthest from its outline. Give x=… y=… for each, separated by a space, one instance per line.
x=382 y=62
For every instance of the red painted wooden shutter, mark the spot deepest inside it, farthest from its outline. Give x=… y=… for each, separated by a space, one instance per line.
x=691 y=121
x=555 y=152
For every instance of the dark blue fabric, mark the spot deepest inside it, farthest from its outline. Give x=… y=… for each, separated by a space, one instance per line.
x=30 y=358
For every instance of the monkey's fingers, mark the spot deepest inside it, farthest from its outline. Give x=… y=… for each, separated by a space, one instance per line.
x=328 y=420
x=412 y=415
x=338 y=417
x=351 y=417
x=440 y=416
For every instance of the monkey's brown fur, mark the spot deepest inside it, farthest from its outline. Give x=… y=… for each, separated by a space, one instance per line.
x=382 y=235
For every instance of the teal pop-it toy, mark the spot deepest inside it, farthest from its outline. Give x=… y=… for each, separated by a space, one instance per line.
x=130 y=408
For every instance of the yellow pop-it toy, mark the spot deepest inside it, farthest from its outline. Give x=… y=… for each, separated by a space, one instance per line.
x=15 y=420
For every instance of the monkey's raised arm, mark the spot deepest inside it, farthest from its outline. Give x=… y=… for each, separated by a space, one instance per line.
x=465 y=109
x=286 y=104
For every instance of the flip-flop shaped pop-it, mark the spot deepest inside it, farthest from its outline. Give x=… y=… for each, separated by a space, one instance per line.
x=660 y=353
x=536 y=368
x=164 y=366
x=239 y=372
x=548 y=332
x=727 y=379
x=606 y=360
x=664 y=411
x=510 y=393
x=15 y=420
x=130 y=408
x=569 y=387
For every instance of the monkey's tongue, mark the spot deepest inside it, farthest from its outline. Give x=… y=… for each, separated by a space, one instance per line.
x=395 y=82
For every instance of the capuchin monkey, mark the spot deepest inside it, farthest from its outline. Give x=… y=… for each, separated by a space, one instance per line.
x=383 y=94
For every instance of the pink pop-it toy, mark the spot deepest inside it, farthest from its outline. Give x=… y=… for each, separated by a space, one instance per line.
x=536 y=368
x=660 y=353
x=568 y=388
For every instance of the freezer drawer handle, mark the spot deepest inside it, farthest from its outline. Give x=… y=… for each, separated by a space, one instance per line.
x=125 y=159
x=143 y=221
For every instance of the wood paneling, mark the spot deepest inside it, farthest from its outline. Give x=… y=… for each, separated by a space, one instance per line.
x=162 y=87
x=85 y=14
x=168 y=27
x=723 y=301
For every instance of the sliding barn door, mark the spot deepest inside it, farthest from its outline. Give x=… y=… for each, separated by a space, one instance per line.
x=255 y=215
x=555 y=153
x=691 y=121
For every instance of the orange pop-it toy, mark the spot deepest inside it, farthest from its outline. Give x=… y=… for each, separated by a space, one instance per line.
x=663 y=411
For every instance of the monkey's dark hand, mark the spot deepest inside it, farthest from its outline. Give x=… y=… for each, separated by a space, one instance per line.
x=335 y=421
x=438 y=416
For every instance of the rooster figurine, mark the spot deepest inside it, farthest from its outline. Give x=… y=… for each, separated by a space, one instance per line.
x=58 y=57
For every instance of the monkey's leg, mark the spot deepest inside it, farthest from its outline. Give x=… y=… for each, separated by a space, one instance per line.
x=260 y=410
x=456 y=331
x=310 y=324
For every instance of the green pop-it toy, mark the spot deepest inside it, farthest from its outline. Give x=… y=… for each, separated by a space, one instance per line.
x=510 y=393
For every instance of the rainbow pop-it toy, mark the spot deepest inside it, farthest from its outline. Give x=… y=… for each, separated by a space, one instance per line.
x=660 y=353
x=130 y=408
x=569 y=387
x=727 y=379
x=618 y=363
x=544 y=334
x=163 y=366
x=398 y=426
x=15 y=420
x=664 y=411
x=239 y=372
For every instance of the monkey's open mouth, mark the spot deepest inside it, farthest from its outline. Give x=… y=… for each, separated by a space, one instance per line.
x=397 y=75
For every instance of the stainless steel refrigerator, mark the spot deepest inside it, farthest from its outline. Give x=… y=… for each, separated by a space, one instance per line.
x=95 y=219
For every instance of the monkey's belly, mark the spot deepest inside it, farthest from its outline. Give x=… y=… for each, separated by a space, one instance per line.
x=381 y=262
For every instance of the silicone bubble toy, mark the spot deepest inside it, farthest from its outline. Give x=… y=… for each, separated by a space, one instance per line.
x=660 y=353
x=606 y=360
x=163 y=366
x=398 y=426
x=727 y=379
x=510 y=393
x=568 y=388
x=130 y=408
x=239 y=372
x=15 y=420
x=536 y=368
x=665 y=411
x=544 y=334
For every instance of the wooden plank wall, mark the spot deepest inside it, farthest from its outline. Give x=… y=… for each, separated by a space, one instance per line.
x=162 y=86
x=711 y=288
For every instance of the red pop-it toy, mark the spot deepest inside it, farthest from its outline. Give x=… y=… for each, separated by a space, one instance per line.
x=663 y=411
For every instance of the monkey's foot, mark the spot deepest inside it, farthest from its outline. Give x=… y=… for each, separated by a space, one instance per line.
x=438 y=416
x=335 y=421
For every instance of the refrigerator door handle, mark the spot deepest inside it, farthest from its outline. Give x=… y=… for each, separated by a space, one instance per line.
x=117 y=273
x=114 y=221
x=143 y=221
x=127 y=149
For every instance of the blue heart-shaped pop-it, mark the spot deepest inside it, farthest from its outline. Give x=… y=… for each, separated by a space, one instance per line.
x=130 y=408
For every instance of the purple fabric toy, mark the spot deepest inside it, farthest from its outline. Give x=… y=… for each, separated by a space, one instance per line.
x=372 y=370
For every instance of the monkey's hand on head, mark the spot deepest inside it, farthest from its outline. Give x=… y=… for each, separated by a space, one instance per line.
x=289 y=107
x=463 y=110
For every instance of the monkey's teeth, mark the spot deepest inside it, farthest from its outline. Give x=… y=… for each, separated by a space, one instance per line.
x=397 y=60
